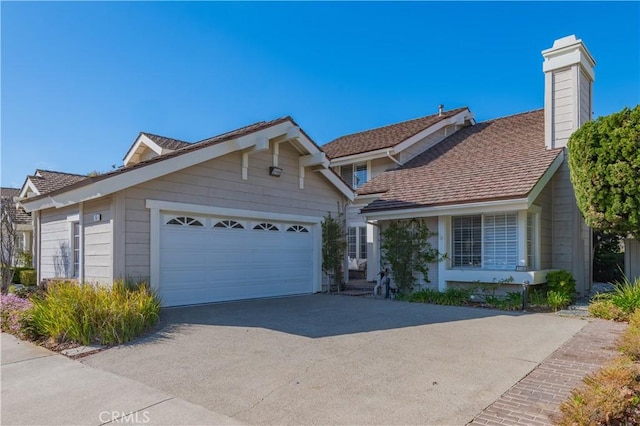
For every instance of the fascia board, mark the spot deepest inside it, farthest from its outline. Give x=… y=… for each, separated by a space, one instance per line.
x=459 y=209
x=546 y=177
x=454 y=119
x=358 y=158
x=142 y=139
x=28 y=185
x=338 y=183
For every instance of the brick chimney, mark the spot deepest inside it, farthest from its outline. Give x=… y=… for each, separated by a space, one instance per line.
x=568 y=76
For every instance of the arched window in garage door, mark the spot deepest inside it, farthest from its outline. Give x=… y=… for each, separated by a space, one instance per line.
x=265 y=226
x=297 y=228
x=184 y=221
x=229 y=224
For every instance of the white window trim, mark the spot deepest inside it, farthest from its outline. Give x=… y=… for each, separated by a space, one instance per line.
x=366 y=163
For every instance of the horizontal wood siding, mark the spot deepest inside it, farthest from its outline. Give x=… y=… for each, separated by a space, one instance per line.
x=544 y=201
x=381 y=165
x=585 y=98
x=563 y=106
x=219 y=183
x=425 y=143
x=570 y=237
x=98 y=241
x=55 y=243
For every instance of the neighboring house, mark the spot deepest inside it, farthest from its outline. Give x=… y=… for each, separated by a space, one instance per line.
x=231 y=217
x=360 y=157
x=632 y=258
x=498 y=193
x=19 y=220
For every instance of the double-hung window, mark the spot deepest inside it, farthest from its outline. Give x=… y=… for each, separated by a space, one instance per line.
x=354 y=174
x=487 y=241
x=357 y=242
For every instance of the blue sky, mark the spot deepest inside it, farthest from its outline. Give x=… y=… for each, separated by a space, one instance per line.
x=81 y=79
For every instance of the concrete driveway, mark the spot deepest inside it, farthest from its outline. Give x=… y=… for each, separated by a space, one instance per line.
x=339 y=360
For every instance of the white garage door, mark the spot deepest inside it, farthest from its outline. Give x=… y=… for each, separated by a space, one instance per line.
x=212 y=259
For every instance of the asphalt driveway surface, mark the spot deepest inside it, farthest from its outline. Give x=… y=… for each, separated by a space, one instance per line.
x=339 y=360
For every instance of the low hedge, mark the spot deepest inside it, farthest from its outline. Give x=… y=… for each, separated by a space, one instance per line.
x=28 y=277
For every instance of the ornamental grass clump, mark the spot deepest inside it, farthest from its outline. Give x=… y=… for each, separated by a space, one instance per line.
x=620 y=304
x=13 y=311
x=611 y=396
x=88 y=314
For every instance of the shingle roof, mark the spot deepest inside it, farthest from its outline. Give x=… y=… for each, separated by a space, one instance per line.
x=497 y=159
x=47 y=181
x=18 y=215
x=383 y=137
x=188 y=148
x=165 y=142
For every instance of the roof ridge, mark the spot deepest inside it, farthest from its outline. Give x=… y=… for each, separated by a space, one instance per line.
x=397 y=123
x=59 y=173
x=166 y=137
x=233 y=131
x=512 y=115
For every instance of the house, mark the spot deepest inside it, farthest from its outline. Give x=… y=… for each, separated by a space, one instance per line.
x=20 y=221
x=632 y=258
x=230 y=217
x=498 y=193
x=360 y=157
x=239 y=215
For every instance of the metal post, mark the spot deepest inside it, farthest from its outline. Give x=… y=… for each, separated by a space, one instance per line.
x=525 y=285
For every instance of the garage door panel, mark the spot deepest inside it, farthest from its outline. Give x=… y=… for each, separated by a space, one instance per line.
x=205 y=264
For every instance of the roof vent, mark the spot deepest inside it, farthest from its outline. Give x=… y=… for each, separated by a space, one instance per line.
x=440 y=110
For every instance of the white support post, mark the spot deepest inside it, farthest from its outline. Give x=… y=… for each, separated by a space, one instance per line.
x=522 y=238
x=443 y=238
x=154 y=242
x=301 y=183
x=276 y=153
x=81 y=243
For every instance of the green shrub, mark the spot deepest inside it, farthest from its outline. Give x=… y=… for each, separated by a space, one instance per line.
x=537 y=297
x=561 y=282
x=17 y=271
x=28 y=277
x=451 y=297
x=89 y=314
x=557 y=300
x=605 y=309
x=609 y=397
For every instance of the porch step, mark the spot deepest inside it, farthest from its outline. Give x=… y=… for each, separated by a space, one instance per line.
x=350 y=292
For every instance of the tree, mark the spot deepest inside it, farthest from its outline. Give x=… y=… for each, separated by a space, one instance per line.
x=333 y=246
x=7 y=243
x=406 y=248
x=604 y=165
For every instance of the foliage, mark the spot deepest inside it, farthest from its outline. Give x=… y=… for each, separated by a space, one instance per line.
x=604 y=165
x=406 y=248
x=28 y=277
x=625 y=296
x=86 y=314
x=453 y=296
x=610 y=396
x=12 y=313
x=630 y=340
x=26 y=291
x=608 y=258
x=511 y=302
x=537 y=297
x=557 y=300
x=7 y=243
x=24 y=259
x=561 y=282
x=334 y=245
x=605 y=309
x=16 y=273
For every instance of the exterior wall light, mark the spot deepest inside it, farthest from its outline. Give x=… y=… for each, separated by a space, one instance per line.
x=275 y=171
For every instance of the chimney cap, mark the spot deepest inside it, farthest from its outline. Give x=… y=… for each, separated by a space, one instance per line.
x=440 y=109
